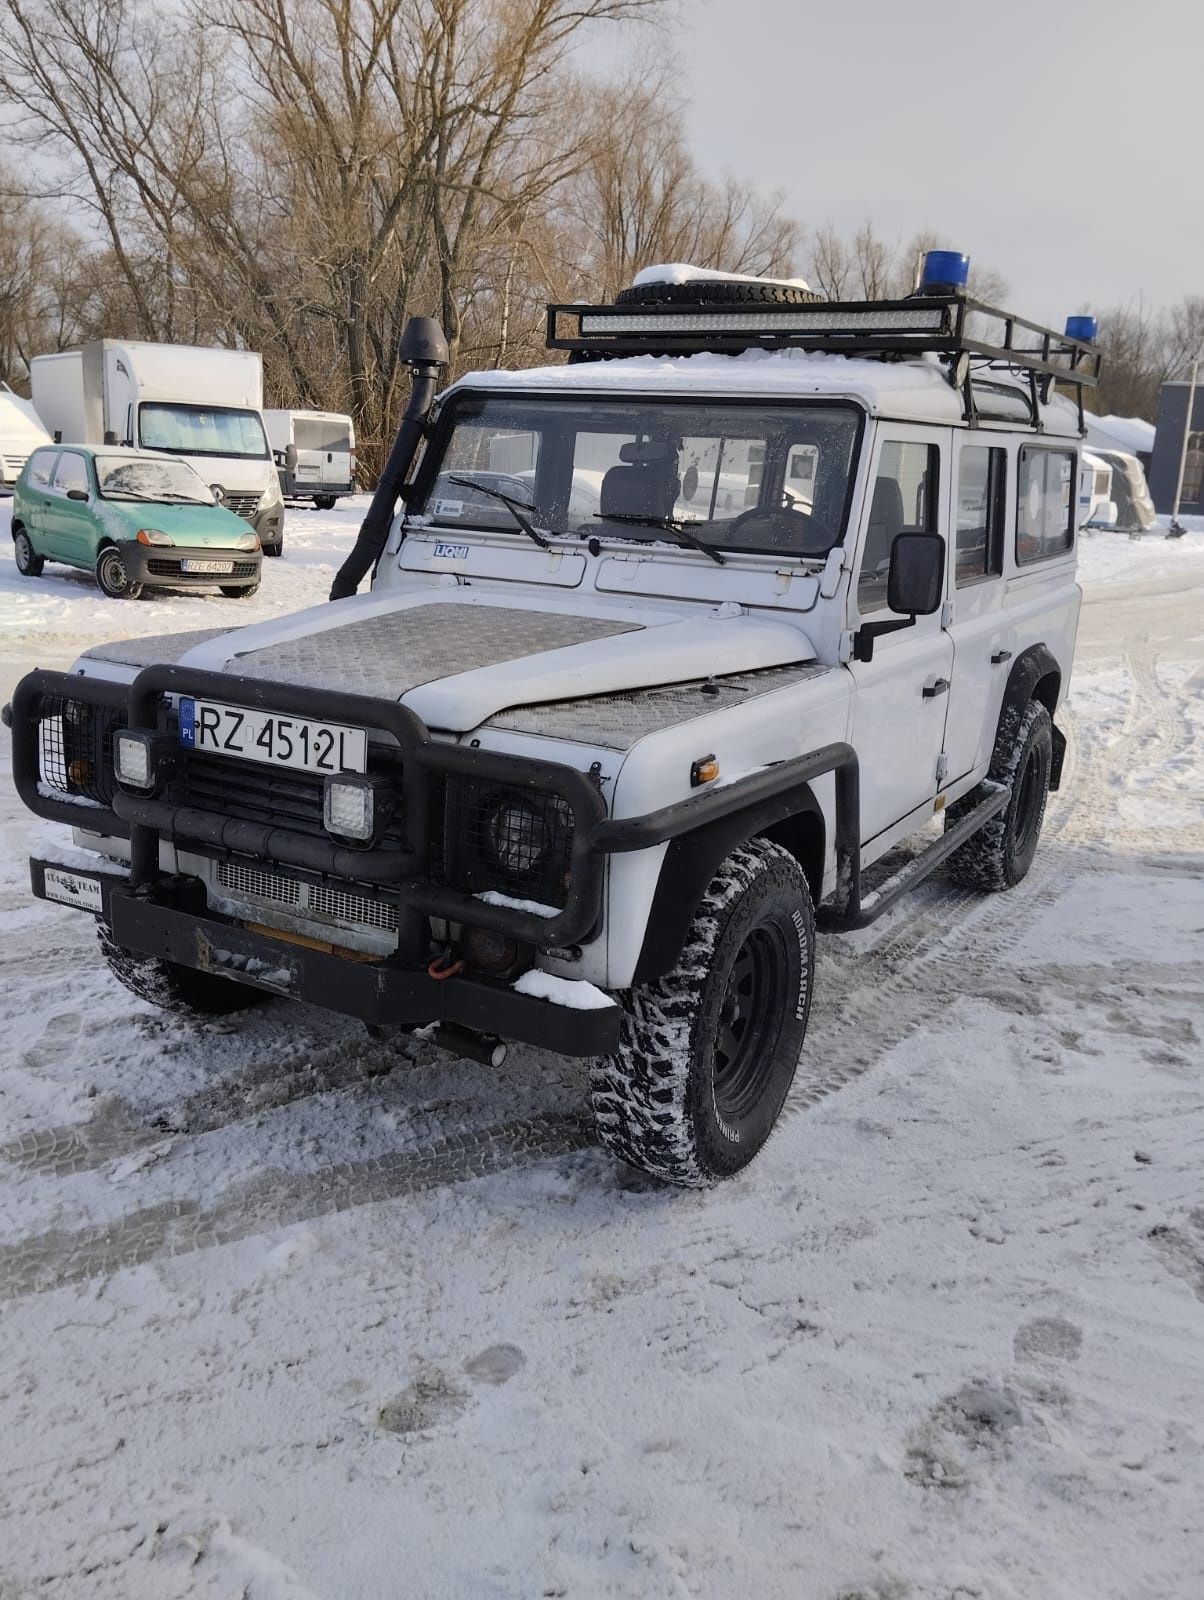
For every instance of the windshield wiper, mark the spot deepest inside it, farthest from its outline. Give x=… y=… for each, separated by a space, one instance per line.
x=514 y=507
x=667 y=525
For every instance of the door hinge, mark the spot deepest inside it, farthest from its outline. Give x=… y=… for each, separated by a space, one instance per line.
x=942 y=767
x=947 y=614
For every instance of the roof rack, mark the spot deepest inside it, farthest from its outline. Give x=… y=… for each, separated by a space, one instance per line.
x=924 y=324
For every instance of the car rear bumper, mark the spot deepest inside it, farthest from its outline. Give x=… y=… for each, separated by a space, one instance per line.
x=174 y=924
x=160 y=566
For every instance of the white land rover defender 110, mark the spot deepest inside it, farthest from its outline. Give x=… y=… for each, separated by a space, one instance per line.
x=667 y=646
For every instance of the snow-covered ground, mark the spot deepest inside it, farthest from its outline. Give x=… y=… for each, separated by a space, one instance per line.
x=288 y=1314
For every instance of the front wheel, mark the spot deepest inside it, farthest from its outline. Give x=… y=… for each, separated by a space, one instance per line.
x=707 y=1053
x=999 y=855
x=240 y=591
x=29 y=562
x=172 y=987
x=274 y=549
x=112 y=577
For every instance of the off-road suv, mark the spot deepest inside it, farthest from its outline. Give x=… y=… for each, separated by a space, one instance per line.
x=669 y=644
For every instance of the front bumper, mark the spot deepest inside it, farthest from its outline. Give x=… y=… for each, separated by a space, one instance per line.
x=174 y=924
x=268 y=523
x=159 y=566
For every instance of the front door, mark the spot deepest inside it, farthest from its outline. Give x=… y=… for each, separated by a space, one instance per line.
x=902 y=695
x=69 y=530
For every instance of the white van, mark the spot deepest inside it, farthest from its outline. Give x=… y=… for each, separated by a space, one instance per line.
x=203 y=405
x=314 y=453
x=1097 y=509
x=21 y=432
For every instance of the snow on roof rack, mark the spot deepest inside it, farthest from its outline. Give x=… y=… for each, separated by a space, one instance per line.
x=967 y=335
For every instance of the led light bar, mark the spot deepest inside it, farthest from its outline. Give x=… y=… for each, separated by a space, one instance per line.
x=804 y=319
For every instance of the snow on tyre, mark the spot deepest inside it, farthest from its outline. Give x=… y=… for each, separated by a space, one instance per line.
x=707 y=1053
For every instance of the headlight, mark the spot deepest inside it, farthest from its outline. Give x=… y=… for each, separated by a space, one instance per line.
x=152 y=536
x=517 y=835
x=356 y=808
x=144 y=761
x=249 y=541
x=271 y=495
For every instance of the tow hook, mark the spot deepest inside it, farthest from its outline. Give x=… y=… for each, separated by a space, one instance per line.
x=486 y=1048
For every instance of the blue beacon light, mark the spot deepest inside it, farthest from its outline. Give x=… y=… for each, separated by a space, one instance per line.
x=1085 y=328
x=944 y=272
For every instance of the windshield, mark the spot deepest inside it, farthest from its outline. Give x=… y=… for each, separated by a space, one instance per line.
x=150 y=478
x=771 y=479
x=201 y=430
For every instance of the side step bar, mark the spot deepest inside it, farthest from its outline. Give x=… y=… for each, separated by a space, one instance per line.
x=861 y=914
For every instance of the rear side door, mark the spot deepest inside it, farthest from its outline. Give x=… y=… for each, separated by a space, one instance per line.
x=978 y=621
x=902 y=694
x=71 y=531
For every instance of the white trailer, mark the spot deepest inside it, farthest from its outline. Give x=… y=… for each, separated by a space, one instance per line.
x=314 y=453
x=201 y=404
x=1096 y=506
x=21 y=432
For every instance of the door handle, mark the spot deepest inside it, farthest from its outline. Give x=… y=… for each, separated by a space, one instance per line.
x=939 y=686
x=1000 y=656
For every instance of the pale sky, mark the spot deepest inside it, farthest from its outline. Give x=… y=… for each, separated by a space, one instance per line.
x=1058 y=141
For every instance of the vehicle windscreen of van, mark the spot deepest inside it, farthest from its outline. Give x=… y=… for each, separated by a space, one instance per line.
x=202 y=430
x=743 y=478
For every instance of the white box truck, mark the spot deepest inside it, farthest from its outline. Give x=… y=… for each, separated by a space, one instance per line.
x=21 y=432
x=315 y=454
x=203 y=405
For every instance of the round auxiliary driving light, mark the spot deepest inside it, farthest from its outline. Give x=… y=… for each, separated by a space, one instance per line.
x=944 y=272
x=518 y=836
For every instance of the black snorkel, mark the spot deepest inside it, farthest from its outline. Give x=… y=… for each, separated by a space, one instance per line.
x=423 y=349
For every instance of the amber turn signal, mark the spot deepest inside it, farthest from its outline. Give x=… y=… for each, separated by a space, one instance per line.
x=704 y=770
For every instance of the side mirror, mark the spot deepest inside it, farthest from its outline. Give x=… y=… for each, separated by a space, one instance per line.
x=77 y=494
x=916 y=575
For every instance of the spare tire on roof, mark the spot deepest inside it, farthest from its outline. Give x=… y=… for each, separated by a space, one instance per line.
x=715 y=292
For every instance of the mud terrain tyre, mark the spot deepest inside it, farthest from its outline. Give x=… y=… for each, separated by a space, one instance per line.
x=707 y=1053
x=702 y=292
x=29 y=563
x=1001 y=853
x=172 y=987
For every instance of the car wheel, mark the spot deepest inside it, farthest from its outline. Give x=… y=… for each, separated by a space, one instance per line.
x=243 y=591
x=324 y=502
x=999 y=855
x=274 y=549
x=29 y=562
x=112 y=578
x=707 y=1053
x=172 y=987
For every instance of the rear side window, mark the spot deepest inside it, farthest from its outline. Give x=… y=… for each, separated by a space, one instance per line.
x=310 y=433
x=981 y=490
x=71 y=472
x=1044 y=504
x=904 y=501
x=41 y=463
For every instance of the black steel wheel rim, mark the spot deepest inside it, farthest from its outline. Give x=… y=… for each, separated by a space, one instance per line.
x=750 y=1022
x=1028 y=803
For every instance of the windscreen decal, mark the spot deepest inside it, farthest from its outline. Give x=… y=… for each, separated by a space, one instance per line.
x=449 y=508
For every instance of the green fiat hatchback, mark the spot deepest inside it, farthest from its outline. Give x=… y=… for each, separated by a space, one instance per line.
x=137 y=520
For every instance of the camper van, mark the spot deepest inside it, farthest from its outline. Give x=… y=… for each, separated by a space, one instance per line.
x=21 y=432
x=314 y=453
x=202 y=405
x=1096 y=506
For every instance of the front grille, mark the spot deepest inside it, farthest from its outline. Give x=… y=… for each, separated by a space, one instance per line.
x=318 y=901
x=75 y=754
x=242 y=505
x=160 y=568
x=252 y=792
x=503 y=837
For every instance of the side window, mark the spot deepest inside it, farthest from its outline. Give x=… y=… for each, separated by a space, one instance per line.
x=41 y=464
x=1045 y=504
x=981 y=492
x=904 y=501
x=71 y=472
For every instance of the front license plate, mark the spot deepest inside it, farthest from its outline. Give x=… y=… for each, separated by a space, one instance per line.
x=222 y=568
x=272 y=739
x=72 y=889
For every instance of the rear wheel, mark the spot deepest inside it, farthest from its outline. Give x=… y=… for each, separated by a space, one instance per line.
x=112 y=577
x=172 y=987
x=707 y=1053
x=324 y=502
x=999 y=855
x=29 y=562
